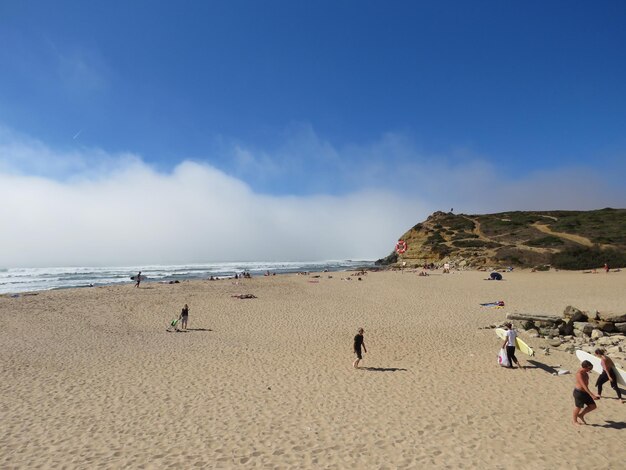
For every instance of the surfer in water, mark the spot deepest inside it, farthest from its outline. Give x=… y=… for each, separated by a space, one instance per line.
x=509 y=344
x=582 y=395
x=358 y=343
x=138 y=279
x=608 y=374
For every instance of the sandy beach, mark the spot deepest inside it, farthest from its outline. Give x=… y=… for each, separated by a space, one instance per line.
x=91 y=379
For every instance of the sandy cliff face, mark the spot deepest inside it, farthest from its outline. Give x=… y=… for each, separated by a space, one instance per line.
x=564 y=239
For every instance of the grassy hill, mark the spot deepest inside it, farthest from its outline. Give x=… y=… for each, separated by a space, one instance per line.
x=562 y=239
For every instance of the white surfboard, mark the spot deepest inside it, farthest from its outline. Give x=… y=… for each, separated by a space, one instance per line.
x=597 y=365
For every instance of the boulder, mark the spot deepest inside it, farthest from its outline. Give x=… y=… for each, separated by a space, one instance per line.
x=573 y=314
x=555 y=343
x=596 y=334
x=614 y=349
x=532 y=333
x=605 y=326
x=621 y=327
x=552 y=319
x=584 y=327
x=605 y=341
x=612 y=317
x=549 y=332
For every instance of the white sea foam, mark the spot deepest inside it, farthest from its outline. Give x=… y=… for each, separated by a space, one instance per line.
x=17 y=280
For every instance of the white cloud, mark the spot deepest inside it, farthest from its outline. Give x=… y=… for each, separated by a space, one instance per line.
x=89 y=207
x=131 y=214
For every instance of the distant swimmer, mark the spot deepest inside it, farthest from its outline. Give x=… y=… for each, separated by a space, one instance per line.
x=582 y=395
x=358 y=344
x=608 y=374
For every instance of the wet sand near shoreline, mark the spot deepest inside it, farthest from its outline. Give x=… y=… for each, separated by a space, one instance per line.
x=91 y=379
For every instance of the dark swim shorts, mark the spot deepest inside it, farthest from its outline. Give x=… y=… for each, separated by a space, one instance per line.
x=582 y=398
x=358 y=353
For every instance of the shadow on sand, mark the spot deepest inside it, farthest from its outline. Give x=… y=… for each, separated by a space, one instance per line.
x=611 y=425
x=382 y=369
x=188 y=330
x=544 y=367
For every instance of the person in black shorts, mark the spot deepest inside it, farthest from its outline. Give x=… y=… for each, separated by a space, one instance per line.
x=358 y=343
x=583 y=397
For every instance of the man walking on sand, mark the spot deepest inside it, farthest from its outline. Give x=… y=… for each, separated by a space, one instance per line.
x=358 y=343
x=582 y=395
x=138 y=279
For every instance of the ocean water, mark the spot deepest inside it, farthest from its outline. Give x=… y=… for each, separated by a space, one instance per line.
x=16 y=280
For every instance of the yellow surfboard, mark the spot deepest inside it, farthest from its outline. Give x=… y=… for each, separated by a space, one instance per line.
x=521 y=345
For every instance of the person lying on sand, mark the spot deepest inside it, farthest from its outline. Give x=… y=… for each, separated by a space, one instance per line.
x=582 y=395
x=244 y=296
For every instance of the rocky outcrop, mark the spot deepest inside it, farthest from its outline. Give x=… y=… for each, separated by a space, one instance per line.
x=562 y=239
x=576 y=329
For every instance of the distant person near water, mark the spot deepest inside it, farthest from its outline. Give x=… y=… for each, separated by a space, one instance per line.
x=358 y=343
x=509 y=345
x=582 y=395
x=184 y=317
x=608 y=374
x=138 y=279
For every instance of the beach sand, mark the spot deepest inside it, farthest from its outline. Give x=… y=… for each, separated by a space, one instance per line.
x=91 y=379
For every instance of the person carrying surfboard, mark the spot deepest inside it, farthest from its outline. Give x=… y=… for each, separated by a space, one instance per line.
x=608 y=374
x=138 y=279
x=509 y=345
x=583 y=397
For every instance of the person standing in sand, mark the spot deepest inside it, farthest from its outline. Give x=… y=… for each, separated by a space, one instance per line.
x=184 y=316
x=582 y=395
x=358 y=343
x=509 y=344
x=138 y=279
x=608 y=374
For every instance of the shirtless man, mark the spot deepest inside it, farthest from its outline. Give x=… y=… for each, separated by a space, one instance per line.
x=608 y=374
x=582 y=395
x=358 y=343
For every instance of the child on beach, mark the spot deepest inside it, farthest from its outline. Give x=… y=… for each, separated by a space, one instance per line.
x=582 y=395
x=184 y=316
x=608 y=374
x=358 y=343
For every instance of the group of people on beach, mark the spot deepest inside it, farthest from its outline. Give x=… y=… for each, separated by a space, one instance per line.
x=584 y=398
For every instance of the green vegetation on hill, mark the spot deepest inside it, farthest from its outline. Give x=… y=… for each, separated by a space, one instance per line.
x=563 y=239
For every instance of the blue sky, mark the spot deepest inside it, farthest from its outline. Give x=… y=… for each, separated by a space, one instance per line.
x=425 y=105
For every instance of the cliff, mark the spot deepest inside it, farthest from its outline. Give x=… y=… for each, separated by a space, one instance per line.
x=562 y=239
